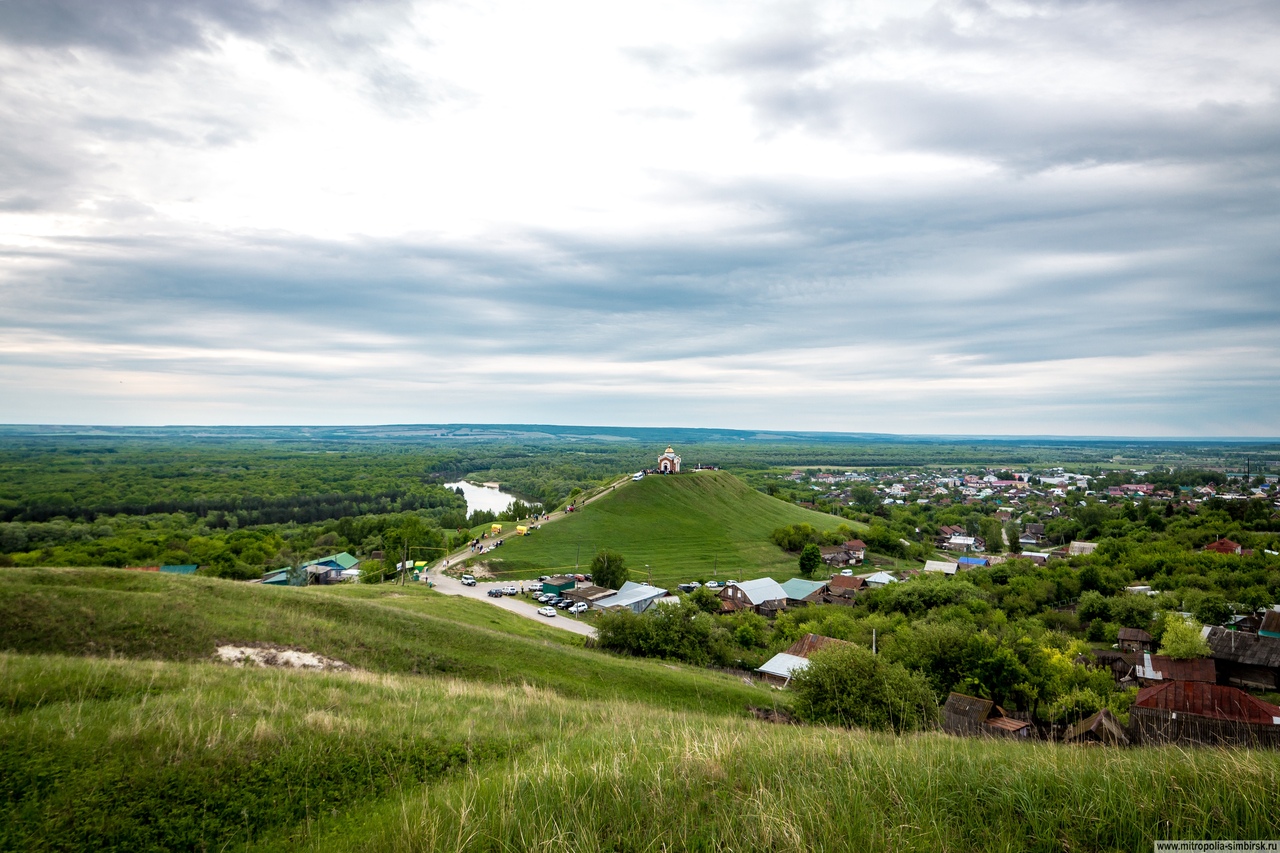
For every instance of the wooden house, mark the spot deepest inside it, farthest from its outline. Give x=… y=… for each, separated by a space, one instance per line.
x=1245 y=660
x=764 y=595
x=1192 y=712
x=1135 y=640
x=1102 y=728
x=780 y=668
x=970 y=716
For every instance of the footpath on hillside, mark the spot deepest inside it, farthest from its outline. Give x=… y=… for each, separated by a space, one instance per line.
x=480 y=592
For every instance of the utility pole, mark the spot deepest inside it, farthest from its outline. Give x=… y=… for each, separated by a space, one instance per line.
x=576 y=555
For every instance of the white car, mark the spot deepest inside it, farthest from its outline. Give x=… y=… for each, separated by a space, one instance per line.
x=712 y=584
x=511 y=590
x=546 y=611
x=846 y=573
x=580 y=607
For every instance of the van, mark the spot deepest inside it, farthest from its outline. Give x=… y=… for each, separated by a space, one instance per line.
x=846 y=573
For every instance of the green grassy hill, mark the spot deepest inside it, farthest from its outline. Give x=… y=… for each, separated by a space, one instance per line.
x=468 y=728
x=381 y=628
x=683 y=527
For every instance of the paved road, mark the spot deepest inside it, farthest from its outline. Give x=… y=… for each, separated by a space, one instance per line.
x=452 y=586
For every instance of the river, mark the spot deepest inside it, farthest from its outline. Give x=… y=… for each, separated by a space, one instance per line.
x=489 y=498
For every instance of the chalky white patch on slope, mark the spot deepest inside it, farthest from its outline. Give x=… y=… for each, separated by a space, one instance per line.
x=276 y=656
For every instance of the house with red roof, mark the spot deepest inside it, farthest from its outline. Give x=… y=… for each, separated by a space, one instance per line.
x=1195 y=712
x=1224 y=546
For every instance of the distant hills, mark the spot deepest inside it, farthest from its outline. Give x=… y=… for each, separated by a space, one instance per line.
x=568 y=434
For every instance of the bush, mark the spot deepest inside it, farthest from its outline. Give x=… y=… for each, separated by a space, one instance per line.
x=849 y=686
x=794 y=537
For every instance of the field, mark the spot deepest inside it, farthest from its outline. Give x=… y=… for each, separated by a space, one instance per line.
x=381 y=628
x=695 y=526
x=120 y=735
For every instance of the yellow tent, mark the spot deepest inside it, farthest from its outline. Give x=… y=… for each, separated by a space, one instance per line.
x=495 y=529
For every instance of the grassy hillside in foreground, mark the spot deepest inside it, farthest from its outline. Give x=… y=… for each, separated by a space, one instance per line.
x=683 y=527
x=129 y=755
x=381 y=628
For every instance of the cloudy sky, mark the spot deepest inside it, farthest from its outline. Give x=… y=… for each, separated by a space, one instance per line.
x=939 y=217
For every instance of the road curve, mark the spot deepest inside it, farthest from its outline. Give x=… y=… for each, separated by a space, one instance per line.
x=453 y=586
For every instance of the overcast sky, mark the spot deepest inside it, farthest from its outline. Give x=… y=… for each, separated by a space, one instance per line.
x=953 y=217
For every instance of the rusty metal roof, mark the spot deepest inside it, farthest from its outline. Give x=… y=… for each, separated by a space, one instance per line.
x=843 y=582
x=1208 y=700
x=1134 y=635
x=810 y=643
x=1009 y=724
x=1193 y=669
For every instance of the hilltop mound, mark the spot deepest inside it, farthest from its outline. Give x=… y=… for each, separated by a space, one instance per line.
x=684 y=527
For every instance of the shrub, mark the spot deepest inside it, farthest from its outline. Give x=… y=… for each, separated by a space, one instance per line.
x=849 y=686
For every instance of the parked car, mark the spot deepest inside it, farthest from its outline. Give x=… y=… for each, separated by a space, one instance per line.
x=495 y=593
x=580 y=607
x=511 y=589
x=565 y=604
x=545 y=597
x=580 y=578
x=846 y=573
x=544 y=577
x=712 y=584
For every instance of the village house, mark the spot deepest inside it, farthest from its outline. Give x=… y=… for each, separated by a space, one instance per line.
x=801 y=592
x=1101 y=728
x=1224 y=546
x=1245 y=660
x=636 y=597
x=764 y=596
x=879 y=579
x=1193 y=712
x=588 y=594
x=940 y=567
x=780 y=668
x=1151 y=669
x=970 y=716
x=843 y=590
x=1135 y=640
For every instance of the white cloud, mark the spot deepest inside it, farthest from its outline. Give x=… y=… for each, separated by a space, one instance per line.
x=952 y=217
